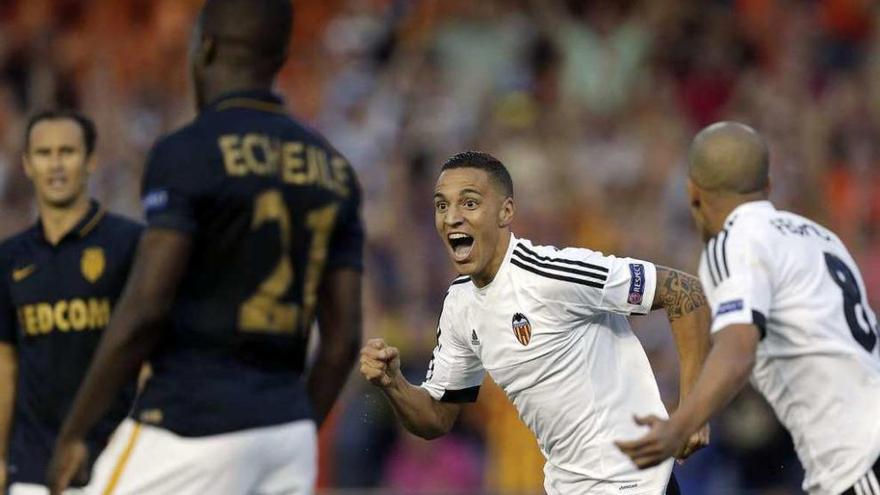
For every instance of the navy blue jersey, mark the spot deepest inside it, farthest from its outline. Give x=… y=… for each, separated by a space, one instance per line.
x=270 y=207
x=55 y=302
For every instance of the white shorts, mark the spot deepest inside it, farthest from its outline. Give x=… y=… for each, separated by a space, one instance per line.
x=651 y=481
x=29 y=489
x=145 y=460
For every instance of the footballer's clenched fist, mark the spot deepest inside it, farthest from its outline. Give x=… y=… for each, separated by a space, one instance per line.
x=380 y=363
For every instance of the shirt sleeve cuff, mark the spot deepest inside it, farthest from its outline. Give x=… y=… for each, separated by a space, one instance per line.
x=173 y=222
x=745 y=316
x=434 y=390
x=441 y=394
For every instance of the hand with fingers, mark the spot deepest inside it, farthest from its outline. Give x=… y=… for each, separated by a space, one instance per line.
x=698 y=440
x=380 y=363
x=69 y=463
x=664 y=440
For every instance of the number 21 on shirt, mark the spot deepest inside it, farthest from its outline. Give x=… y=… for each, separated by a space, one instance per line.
x=265 y=311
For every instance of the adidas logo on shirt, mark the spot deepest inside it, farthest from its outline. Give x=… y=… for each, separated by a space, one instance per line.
x=474 y=339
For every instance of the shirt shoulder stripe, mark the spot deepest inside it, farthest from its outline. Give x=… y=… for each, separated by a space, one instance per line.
x=555 y=276
x=707 y=252
x=715 y=242
x=562 y=260
x=553 y=266
x=724 y=252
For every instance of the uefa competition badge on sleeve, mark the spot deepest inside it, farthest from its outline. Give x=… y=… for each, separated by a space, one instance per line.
x=636 y=283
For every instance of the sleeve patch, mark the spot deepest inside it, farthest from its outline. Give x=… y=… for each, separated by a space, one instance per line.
x=729 y=307
x=154 y=200
x=636 y=283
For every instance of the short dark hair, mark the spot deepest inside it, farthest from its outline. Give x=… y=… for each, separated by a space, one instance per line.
x=483 y=161
x=90 y=135
x=255 y=34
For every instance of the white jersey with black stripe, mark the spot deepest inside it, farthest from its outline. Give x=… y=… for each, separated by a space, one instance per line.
x=551 y=330
x=818 y=362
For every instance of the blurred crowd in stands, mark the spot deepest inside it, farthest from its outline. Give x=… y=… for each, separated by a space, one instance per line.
x=590 y=103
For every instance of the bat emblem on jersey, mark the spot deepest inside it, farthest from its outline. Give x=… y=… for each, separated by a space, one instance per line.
x=522 y=328
x=92 y=263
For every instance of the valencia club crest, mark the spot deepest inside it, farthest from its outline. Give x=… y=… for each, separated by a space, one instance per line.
x=522 y=328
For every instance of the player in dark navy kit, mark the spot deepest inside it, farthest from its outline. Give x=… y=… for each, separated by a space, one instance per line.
x=253 y=231
x=59 y=281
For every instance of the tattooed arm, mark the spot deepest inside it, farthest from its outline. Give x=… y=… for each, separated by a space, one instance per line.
x=725 y=372
x=681 y=295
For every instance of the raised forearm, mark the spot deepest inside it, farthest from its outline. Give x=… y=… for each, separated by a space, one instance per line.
x=419 y=413
x=726 y=371
x=681 y=295
x=692 y=343
x=417 y=410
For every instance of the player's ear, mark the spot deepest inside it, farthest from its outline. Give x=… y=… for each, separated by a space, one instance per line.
x=694 y=199
x=210 y=45
x=207 y=51
x=91 y=163
x=26 y=166
x=505 y=215
x=203 y=47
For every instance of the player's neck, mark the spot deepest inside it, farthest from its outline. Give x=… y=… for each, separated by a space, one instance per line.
x=724 y=206
x=217 y=87
x=58 y=221
x=488 y=275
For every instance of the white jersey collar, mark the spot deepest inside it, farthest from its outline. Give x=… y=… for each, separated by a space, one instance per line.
x=746 y=207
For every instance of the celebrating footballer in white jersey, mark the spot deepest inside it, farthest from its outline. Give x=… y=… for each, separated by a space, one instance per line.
x=789 y=307
x=550 y=327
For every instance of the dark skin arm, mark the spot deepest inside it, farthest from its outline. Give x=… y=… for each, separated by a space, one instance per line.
x=339 y=321
x=681 y=295
x=726 y=372
x=132 y=334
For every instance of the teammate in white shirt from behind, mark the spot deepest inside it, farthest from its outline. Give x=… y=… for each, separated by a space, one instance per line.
x=789 y=307
x=550 y=327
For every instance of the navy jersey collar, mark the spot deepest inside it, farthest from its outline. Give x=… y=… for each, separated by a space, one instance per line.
x=255 y=99
x=86 y=224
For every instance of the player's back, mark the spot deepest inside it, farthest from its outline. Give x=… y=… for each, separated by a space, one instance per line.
x=818 y=363
x=269 y=205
